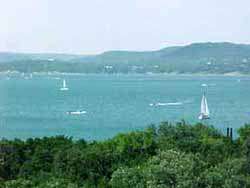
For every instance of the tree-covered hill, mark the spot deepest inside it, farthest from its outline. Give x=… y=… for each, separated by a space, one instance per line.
x=214 y=58
x=180 y=155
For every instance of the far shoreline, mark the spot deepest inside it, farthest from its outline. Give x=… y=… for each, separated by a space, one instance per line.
x=229 y=74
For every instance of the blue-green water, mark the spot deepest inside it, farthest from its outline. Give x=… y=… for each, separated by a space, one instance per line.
x=115 y=103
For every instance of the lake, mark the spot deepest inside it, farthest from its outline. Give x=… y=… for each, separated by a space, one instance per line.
x=35 y=107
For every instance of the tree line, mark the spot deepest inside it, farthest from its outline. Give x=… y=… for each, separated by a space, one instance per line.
x=167 y=155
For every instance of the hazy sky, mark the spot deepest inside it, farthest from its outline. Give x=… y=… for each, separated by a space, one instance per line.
x=93 y=26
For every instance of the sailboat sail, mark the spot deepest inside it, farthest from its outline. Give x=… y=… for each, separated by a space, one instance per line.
x=206 y=107
x=203 y=105
x=204 y=114
x=64 y=84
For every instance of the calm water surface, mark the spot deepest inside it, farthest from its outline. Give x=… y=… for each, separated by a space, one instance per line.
x=115 y=103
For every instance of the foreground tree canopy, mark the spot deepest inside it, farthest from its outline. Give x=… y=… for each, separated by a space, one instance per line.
x=168 y=156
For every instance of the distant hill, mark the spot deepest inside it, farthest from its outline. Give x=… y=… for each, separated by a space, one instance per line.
x=10 y=57
x=214 y=58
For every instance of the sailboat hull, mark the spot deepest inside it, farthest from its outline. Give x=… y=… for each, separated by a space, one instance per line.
x=203 y=117
x=64 y=89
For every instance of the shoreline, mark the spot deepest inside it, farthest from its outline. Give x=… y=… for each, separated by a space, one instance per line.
x=229 y=74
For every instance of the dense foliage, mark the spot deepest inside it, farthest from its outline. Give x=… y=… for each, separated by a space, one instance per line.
x=180 y=155
x=214 y=58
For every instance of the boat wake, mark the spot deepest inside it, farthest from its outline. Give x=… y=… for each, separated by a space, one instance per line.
x=166 y=104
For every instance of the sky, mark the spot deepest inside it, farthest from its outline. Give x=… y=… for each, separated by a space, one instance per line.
x=94 y=26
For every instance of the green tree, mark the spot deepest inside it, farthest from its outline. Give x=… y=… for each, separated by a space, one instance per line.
x=244 y=133
x=228 y=174
x=19 y=183
x=125 y=177
x=247 y=155
x=173 y=169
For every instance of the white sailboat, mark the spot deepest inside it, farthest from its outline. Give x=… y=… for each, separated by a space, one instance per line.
x=64 y=87
x=78 y=112
x=204 y=114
